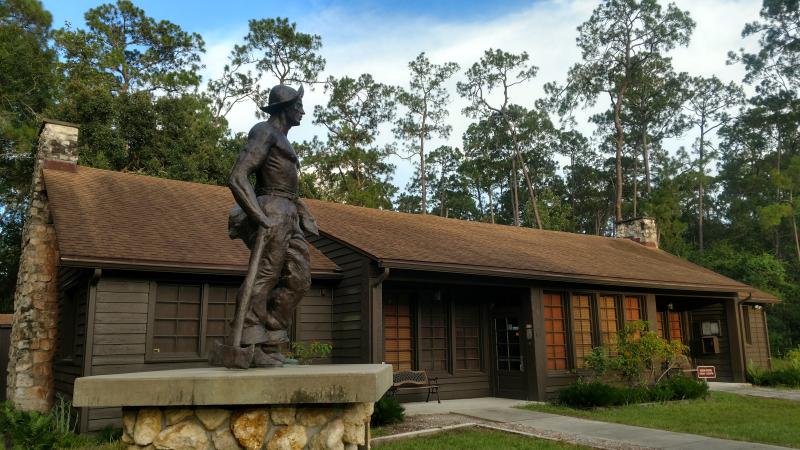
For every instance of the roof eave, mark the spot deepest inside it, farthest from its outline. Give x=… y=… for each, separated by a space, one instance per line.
x=550 y=276
x=155 y=266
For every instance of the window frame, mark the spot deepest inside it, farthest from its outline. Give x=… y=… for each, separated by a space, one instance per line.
x=151 y=356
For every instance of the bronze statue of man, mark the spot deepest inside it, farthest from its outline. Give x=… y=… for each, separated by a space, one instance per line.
x=271 y=220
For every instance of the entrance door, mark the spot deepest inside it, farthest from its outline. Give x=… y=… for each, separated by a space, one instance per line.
x=509 y=370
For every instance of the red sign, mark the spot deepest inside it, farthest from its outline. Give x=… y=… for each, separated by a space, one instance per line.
x=706 y=372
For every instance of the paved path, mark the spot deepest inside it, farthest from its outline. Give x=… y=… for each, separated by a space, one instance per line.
x=755 y=391
x=571 y=429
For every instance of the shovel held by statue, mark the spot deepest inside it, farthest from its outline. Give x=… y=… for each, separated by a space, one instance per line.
x=234 y=356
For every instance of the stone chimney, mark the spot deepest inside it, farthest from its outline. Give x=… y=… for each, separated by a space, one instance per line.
x=33 y=332
x=641 y=229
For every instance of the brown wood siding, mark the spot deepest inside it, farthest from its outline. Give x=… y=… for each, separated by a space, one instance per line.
x=68 y=363
x=120 y=330
x=757 y=349
x=721 y=360
x=314 y=318
x=461 y=384
x=349 y=297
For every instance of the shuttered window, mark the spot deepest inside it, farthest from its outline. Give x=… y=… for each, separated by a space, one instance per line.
x=221 y=309
x=186 y=319
x=555 y=332
x=178 y=311
x=397 y=344
x=468 y=338
x=608 y=320
x=675 y=329
x=582 y=327
x=433 y=348
x=633 y=308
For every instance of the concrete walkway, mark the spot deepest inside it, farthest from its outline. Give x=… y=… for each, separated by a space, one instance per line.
x=571 y=429
x=755 y=391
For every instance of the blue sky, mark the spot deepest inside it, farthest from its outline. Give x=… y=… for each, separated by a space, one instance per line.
x=381 y=37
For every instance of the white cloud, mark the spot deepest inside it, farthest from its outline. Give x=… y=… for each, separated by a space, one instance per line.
x=357 y=42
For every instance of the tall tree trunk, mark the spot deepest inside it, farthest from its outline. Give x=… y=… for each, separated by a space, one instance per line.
x=531 y=191
x=646 y=155
x=619 y=141
x=515 y=192
x=794 y=226
x=423 y=178
x=700 y=191
x=635 y=184
x=491 y=203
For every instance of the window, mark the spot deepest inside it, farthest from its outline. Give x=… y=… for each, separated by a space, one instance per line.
x=582 y=327
x=555 y=332
x=633 y=308
x=185 y=319
x=397 y=348
x=433 y=348
x=509 y=356
x=675 y=329
x=468 y=337
x=609 y=322
x=221 y=309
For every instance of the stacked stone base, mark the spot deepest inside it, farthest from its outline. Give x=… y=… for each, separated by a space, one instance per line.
x=278 y=427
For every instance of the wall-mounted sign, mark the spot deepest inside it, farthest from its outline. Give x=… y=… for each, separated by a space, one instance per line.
x=706 y=372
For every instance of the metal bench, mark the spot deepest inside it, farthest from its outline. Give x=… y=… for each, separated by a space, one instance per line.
x=418 y=380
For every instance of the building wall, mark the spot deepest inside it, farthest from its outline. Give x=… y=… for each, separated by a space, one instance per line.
x=350 y=326
x=117 y=343
x=756 y=348
x=721 y=360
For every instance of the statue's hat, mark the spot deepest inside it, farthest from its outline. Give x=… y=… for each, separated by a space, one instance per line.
x=281 y=96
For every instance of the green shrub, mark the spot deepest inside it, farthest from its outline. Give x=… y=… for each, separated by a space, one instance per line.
x=789 y=377
x=388 y=410
x=35 y=431
x=306 y=352
x=596 y=394
x=590 y=395
x=684 y=388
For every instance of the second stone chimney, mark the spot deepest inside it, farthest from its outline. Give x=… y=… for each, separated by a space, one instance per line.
x=641 y=229
x=33 y=333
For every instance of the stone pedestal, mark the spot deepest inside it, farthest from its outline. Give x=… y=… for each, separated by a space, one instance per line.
x=296 y=407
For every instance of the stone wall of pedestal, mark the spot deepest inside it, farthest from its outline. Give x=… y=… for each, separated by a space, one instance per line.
x=292 y=407
x=33 y=334
x=276 y=427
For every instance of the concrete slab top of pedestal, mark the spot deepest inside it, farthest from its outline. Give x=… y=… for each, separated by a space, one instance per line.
x=335 y=383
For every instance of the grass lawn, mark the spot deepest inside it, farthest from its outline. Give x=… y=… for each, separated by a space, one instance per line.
x=474 y=438
x=723 y=415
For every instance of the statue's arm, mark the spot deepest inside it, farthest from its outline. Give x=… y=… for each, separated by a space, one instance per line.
x=250 y=159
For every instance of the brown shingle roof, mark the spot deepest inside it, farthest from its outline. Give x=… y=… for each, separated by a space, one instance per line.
x=125 y=220
x=436 y=243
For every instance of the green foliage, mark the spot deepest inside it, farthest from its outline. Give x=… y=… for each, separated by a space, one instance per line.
x=597 y=394
x=305 y=352
x=28 y=80
x=350 y=166
x=785 y=371
x=388 y=410
x=639 y=355
x=31 y=430
x=275 y=49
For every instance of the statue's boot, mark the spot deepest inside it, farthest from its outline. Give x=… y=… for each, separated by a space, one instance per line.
x=262 y=359
x=274 y=351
